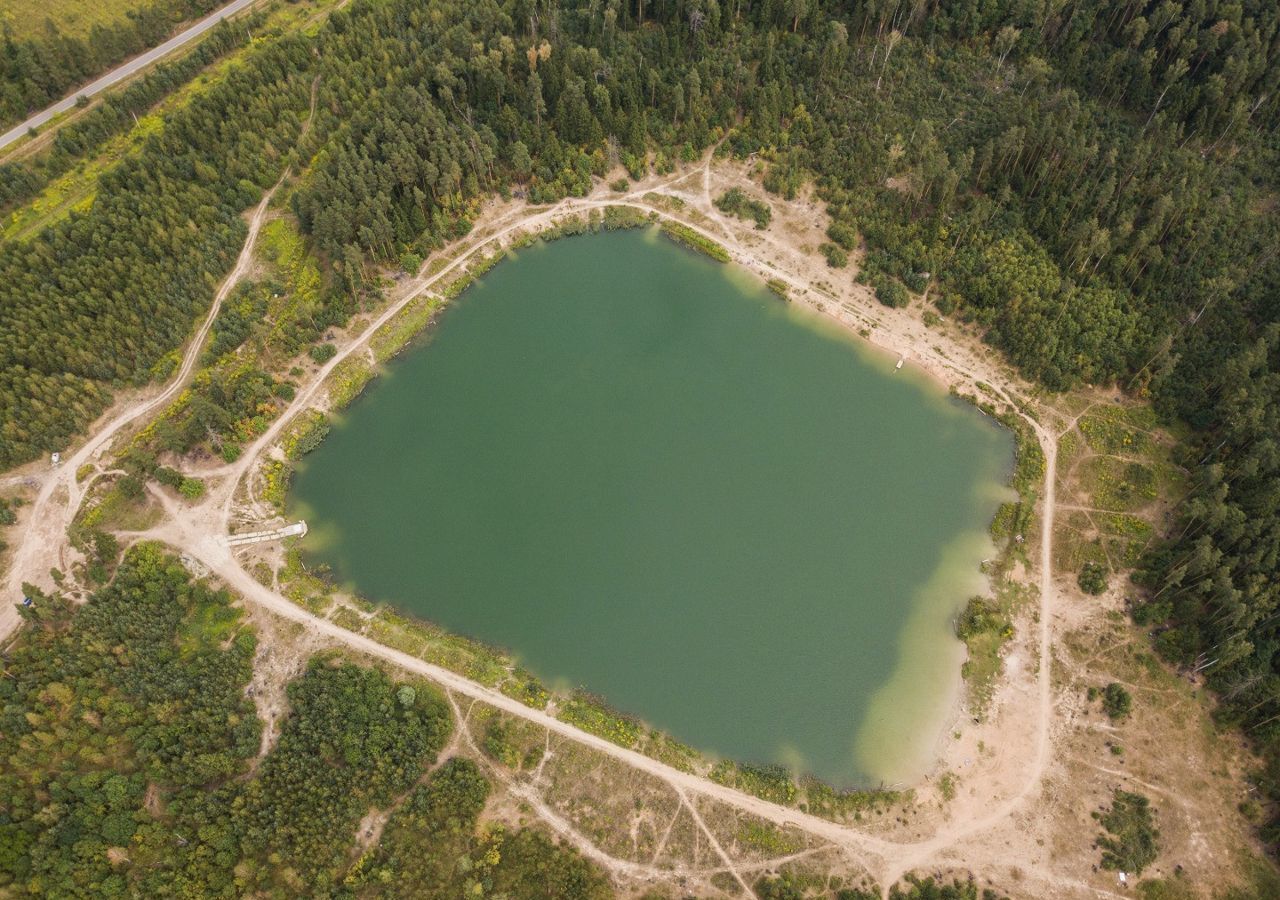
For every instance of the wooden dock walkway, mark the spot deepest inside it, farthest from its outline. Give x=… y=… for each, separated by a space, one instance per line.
x=257 y=537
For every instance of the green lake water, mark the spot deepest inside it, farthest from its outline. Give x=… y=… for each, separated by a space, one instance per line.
x=643 y=474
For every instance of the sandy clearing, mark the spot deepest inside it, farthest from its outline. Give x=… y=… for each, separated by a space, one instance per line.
x=197 y=529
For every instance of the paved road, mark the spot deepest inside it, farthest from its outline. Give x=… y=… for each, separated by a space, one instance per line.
x=124 y=71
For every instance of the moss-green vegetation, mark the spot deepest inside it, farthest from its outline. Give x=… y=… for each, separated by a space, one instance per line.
x=1121 y=244
x=1118 y=485
x=621 y=217
x=591 y=713
x=8 y=516
x=1014 y=522
x=986 y=625
x=435 y=829
x=947 y=785
x=823 y=800
x=682 y=234
x=232 y=402
x=1174 y=888
x=276 y=475
x=301 y=585
x=310 y=588
x=772 y=783
x=1118 y=430
x=347 y=380
x=303 y=305
x=767 y=838
x=795 y=886
x=391 y=338
x=74 y=19
x=304 y=433
x=348 y=618
x=119 y=503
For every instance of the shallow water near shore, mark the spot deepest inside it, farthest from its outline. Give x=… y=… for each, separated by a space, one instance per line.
x=644 y=474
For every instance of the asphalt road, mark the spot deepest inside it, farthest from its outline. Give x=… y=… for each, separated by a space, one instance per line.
x=124 y=71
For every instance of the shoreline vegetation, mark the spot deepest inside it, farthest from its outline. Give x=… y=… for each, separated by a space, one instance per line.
x=491 y=666
x=986 y=624
x=496 y=668
x=352 y=376
x=1102 y=223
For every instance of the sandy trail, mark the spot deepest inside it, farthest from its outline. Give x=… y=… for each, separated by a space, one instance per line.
x=199 y=531
x=60 y=494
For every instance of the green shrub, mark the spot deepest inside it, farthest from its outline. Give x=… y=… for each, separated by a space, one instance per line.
x=736 y=203
x=131 y=487
x=410 y=262
x=682 y=234
x=915 y=281
x=836 y=257
x=842 y=235
x=980 y=615
x=322 y=353
x=891 y=293
x=1093 y=578
x=1131 y=841
x=168 y=477
x=1116 y=701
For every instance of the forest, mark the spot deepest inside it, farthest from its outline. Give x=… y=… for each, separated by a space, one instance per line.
x=1091 y=184
x=38 y=70
x=22 y=179
x=130 y=765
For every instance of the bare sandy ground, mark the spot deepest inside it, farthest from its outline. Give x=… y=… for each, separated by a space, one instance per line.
x=1010 y=769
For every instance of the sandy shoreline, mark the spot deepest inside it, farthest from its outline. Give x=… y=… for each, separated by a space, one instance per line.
x=1016 y=735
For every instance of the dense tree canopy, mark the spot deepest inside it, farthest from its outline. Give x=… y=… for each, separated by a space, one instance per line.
x=126 y=741
x=1091 y=184
x=36 y=71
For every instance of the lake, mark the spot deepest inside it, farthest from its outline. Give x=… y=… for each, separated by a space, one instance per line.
x=644 y=474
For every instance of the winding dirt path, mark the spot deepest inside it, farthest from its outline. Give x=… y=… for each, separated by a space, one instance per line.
x=199 y=530
x=60 y=494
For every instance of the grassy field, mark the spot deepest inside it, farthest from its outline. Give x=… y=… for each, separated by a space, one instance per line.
x=74 y=17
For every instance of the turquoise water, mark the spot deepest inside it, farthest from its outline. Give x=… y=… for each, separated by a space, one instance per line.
x=643 y=474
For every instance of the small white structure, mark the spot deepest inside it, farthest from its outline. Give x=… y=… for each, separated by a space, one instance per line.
x=55 y=458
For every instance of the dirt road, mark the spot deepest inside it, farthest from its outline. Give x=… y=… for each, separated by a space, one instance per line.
x=60 y=493
x=124 y=70
x=198 y=530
